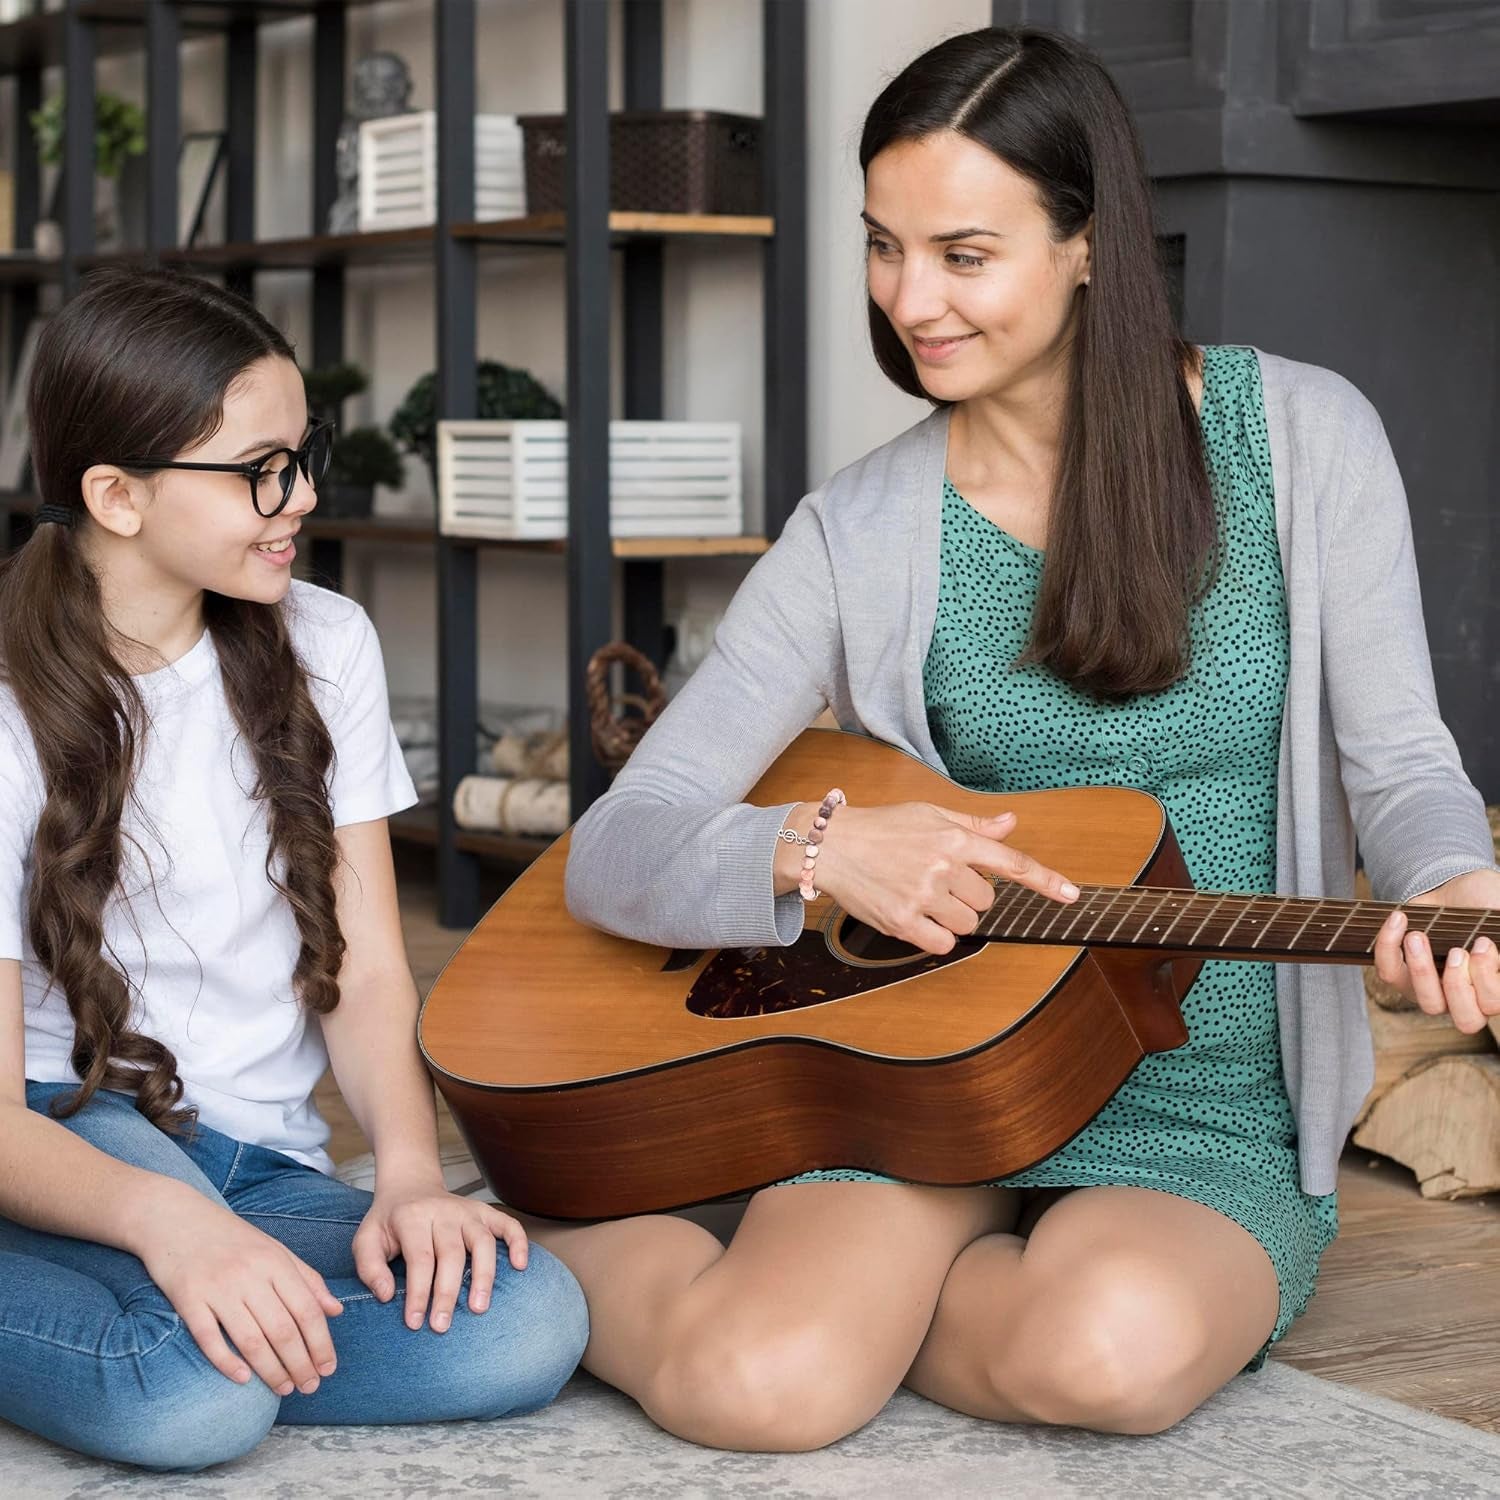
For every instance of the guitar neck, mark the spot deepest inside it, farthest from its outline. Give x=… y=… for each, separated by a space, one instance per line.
x=1218 y=924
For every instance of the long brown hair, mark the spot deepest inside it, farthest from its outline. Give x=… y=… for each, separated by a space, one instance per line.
x=1132 y=531
x=139 y=362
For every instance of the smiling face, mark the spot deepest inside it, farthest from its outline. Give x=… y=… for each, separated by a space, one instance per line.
x=963 y=261
x=186 y=531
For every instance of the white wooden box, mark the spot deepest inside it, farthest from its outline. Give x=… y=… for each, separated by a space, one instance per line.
x=510 y=479
x=398 y=170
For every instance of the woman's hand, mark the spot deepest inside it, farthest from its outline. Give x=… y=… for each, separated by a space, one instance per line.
x=916 y=872
x=1464 y=983
x=432 y=1230
x=226 y=1277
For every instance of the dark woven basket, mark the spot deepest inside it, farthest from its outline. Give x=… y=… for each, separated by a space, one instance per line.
x=661 y=161
x=615 y=733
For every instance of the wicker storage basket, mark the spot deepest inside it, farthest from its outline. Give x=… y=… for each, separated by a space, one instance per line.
x=665 y=161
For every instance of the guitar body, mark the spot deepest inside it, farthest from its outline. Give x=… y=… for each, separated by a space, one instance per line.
x=594 y=1077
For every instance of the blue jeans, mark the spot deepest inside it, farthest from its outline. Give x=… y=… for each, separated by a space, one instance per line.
x=93 y=1356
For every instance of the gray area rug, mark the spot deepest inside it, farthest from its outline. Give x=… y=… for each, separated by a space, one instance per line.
x=1279 y=1433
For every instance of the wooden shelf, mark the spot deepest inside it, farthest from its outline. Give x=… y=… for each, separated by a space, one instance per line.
x=551 y=229
x=419 y=825
x=21 y=268
x=397 y=246
x=409 y=531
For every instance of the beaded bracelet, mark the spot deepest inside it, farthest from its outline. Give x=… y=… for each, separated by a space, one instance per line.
x=814 y=840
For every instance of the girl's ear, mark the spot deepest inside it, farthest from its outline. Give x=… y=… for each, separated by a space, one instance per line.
x=111 y=500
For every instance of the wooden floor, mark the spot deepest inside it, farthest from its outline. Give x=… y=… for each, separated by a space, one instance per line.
x=1408 y=1301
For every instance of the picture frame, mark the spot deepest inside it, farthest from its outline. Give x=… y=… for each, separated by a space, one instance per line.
x=199 y=160
x=15 y=436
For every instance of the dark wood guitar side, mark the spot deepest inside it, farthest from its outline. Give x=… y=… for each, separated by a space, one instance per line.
x=594 y=1077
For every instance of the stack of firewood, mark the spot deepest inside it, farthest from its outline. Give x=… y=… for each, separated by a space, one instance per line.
x=1435 y=1105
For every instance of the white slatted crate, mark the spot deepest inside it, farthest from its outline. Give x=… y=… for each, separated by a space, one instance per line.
x=398 y=170
x=510 y=479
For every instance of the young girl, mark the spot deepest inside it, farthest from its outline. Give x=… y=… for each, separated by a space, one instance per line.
x=197 y=914
x=1106 y=557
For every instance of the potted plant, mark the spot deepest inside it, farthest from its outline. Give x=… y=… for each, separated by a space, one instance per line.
x=329 y=386
x=361 y=459
x=119 y=138
x=504 y=393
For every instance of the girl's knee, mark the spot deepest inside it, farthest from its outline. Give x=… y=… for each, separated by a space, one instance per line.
x=522 y=1351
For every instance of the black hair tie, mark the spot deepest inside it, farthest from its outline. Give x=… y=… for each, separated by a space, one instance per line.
x=61 y=515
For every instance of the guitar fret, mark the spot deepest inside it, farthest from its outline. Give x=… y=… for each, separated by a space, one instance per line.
x=1042 y=904
x=1296 y=936
x=1266 y=925
x=996 y=915
x=1186 y=907
x=1349 y=916
x=1140 y=896
x=1060 y=910
x=1469 y=941
x=1161 y=901
x=1198 y=931
x=1088 y=937
x=1229 y=931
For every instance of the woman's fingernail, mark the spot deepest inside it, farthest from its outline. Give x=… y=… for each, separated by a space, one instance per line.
x=285 y=1389
x=480 y=1303
x=309 y=1388
x=1069 y=890
x=1398 y=919
x=1482 y=945
x=440 y=1320
x=413 y=1320
x=1455 y=958
x=328 y=1368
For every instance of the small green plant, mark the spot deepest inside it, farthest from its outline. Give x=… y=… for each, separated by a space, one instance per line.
x=504 y=393
x=119 y=132
x=364 y=457
x=329 y=386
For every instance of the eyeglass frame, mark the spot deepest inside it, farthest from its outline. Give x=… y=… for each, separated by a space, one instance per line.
x=251 y=470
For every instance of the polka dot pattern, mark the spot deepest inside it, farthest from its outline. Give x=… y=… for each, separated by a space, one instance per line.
x=1210 y=1121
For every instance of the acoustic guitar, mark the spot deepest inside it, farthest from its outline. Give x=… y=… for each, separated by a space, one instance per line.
x=593 y=1076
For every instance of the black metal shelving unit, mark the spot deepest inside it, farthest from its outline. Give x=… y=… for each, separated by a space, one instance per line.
x=587 y=233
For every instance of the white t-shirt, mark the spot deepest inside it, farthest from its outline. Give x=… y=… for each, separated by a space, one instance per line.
x=210 y=952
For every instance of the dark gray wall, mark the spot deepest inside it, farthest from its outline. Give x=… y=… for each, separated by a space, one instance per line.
x=1333 y=169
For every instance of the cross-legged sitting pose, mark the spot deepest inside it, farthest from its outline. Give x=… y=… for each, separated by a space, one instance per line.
x=197 y=912
x=1107 y=557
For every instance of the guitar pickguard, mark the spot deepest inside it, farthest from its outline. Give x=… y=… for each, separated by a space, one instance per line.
x=836 y=962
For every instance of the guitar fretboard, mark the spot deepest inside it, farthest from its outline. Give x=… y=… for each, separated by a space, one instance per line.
x=1134 y=916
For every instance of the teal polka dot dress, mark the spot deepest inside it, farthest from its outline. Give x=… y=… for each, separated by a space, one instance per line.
x=1210 y=1121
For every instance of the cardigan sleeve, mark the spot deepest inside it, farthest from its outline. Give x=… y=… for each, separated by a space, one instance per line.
x=672 y=854
x=1418 y=819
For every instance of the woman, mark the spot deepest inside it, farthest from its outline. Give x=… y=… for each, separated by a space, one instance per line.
x=197 y=911
x=1106 y=557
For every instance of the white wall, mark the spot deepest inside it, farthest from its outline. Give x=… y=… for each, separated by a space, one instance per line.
x=713 y=291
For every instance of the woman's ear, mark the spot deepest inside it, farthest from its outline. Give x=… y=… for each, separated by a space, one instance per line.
x=110 y=497
x=1086 y=258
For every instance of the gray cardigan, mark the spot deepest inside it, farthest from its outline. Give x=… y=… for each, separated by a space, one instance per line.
x=840 y=613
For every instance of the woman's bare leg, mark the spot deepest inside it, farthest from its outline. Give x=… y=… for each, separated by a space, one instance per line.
x=796 y=1334
x=1122 y=1312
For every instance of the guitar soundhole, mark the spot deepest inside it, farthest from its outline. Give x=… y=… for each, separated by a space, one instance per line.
x=848 y=960
x=862 y=943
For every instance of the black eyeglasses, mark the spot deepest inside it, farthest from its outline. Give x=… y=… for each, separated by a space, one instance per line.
x=273 y=476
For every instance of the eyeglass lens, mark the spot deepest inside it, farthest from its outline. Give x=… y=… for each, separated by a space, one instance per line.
x=278 y=474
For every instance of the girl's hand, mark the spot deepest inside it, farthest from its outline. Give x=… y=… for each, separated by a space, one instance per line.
x=915 y=871
x=433 y=1230
x=1464 y=983
x=225 y=1277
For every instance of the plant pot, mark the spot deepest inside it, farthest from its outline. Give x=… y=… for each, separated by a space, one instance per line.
x=345 y=500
